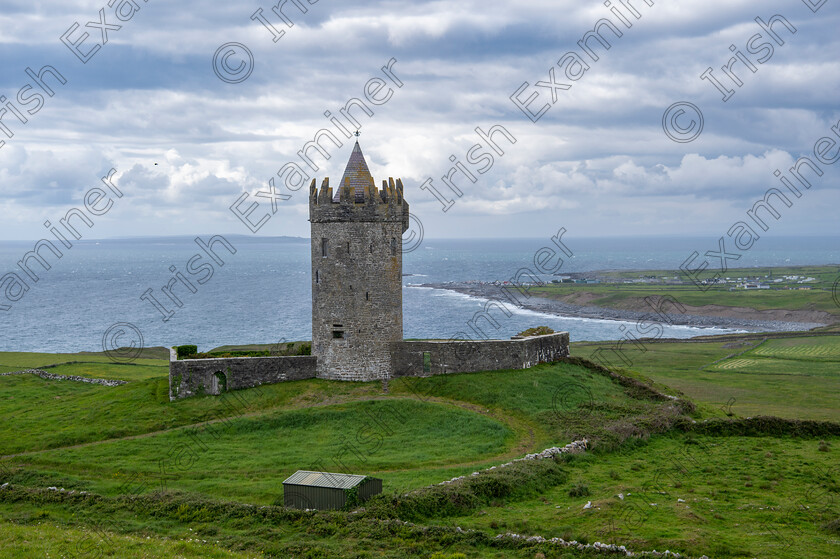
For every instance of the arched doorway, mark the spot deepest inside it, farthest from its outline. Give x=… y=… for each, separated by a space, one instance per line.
x=219 y=383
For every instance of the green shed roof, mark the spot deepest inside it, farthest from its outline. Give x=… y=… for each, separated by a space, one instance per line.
x=324 y=479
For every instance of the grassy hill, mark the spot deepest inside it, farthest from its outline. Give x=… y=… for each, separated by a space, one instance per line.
x=134 y=475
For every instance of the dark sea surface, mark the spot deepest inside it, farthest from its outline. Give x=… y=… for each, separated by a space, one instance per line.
x=262 y=293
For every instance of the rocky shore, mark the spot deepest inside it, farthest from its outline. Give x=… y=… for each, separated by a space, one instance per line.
x=560 y=308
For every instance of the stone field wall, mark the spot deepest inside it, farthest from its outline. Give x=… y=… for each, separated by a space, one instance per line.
x=422 y=358
x=191 y=377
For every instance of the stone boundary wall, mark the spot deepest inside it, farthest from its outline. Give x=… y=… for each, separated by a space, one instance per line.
x=191 y=377
x=408 y=358
x=52 y=376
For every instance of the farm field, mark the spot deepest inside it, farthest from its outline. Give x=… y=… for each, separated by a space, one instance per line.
x=719 y=496
x=135 y=475
x=793 y=377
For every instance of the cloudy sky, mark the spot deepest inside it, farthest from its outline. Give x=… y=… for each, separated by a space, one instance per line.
x=186 y=144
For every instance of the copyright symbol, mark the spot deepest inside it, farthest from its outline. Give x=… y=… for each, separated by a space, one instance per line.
x=464 y=348
x=233 y=62
x=572 y=400
x=415 y=234
x=683 y=129
x=296 y=500
x=122 y=342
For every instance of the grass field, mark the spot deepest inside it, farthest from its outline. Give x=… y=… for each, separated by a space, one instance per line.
x=247 y=459
x=797 y=378
x=719 y=496
x=221 y=460
x=44 y=539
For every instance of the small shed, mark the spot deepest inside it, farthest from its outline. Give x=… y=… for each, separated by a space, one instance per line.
x=328 y=491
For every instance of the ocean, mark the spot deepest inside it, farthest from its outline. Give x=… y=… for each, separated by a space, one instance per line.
x=261 y=294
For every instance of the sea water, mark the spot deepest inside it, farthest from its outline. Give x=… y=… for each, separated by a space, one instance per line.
x=261 y=294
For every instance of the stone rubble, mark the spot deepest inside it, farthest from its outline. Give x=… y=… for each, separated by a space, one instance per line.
x=52 y=376
x=572 y=447
x=597 y=546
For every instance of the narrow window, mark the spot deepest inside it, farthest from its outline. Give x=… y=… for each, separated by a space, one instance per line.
x=427 y=362
x=371 y=248
x=367 y=295
x=323 y=248
x=393 y=246
x=317 y=276
x=348 y=247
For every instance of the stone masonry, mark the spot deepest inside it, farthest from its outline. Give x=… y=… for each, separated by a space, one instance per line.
x=191 y=377
x=356 y=273
x=423 y=358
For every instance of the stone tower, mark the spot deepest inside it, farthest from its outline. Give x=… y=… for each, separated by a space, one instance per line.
x=356 y=273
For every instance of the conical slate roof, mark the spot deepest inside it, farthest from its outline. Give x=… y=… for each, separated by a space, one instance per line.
x=358 y=174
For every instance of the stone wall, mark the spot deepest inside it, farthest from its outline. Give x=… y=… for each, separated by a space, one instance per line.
x=191 y=377
x=423 y=358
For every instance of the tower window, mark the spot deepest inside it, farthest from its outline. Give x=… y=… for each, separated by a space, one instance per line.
x=367 y=295
x=323 y=248
x=348 y=247
x=393 y=246
x=317 y=276
x=338 y=332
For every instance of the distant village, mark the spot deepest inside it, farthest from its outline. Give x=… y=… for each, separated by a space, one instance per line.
x=791 y=282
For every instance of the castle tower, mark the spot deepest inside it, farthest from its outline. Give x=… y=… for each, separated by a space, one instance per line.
x=356 y=272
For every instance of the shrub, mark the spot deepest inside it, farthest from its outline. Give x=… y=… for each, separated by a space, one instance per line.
x=579 y=490
x=538 y=331
x=184 y=351
x=833 y=526
x=764 y=425
x=464 y=496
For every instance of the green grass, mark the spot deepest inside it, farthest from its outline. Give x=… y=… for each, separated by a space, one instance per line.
x=421 y=432
x=113 y=371
x=796 y=378
x=248 y=458
x=91 y=413
x=26 y=360
x=805 y=349
x=738 y=496
x=45 y=539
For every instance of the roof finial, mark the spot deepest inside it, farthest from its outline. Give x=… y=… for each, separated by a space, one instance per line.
x=357 y=134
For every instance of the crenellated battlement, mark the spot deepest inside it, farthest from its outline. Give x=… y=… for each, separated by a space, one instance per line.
x=350 y=193
x=358 y=199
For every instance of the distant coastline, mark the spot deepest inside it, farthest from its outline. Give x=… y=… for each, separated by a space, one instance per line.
x=489 y=291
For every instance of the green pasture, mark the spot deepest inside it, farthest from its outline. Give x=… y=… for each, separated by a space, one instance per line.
x=714 y=496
